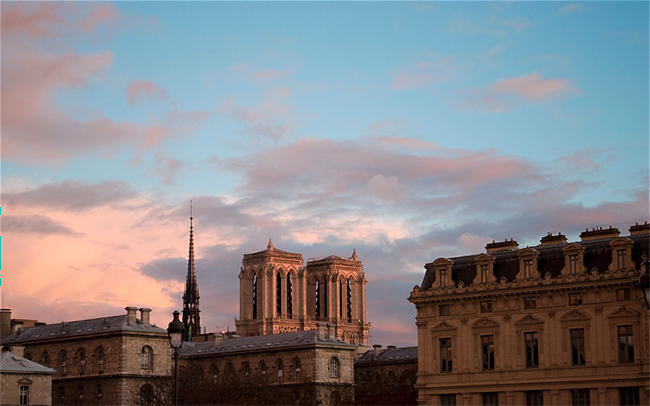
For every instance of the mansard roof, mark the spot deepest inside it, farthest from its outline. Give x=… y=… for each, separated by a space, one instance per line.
x=597 y=254
x=389 y=356
x=294 y=339
x=10 y=362
x=67 y=329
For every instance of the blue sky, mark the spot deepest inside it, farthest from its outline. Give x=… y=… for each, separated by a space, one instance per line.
x=408 y=131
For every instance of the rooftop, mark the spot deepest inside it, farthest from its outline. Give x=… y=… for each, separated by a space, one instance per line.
x=10 y=362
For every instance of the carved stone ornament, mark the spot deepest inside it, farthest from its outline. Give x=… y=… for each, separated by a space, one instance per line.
x=485 y=322
x=623 y=312
x=575 y=315
x=529 y=319
x=442 y=326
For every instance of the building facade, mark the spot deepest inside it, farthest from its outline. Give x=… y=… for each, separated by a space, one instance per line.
x=556 y=324
x=386 y=376
x=278 y=294
x=22 y=381
x=108 y=360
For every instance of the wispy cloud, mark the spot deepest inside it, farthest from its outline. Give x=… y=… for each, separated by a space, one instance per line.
x=570 y=8
x=140 y=90
x=441 y=69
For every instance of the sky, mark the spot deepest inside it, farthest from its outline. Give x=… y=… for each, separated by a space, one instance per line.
x=408 y=131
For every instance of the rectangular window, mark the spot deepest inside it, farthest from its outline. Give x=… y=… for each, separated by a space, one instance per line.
x=625 y=345
x=534 y=398
x=580 y=397
x=444 y=277
x=577 y=346
x=620 y=255
x=623 y=294
x=448 y=400
x=575 y=299
x=490 y=399
x=24 y=395
x=445 y=355
x=630 y=396
x=484 y=273
x=486 y=306
x=573 y=264
x=528 y=268
x=530 y=302
x=445 y=310
x=487 y=352
x=532 y=354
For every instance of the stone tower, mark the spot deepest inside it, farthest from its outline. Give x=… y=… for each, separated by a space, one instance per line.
x=191 y=317
x=278 y=294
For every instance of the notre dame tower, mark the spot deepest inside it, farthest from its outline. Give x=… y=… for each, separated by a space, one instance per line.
x=277 y=294
x=191 y=317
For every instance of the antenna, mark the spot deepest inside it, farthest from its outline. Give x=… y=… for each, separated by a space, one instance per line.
x=190 y=210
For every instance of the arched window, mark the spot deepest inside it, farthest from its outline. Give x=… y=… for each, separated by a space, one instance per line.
x=45 y=359
x=254 y=296
x=100 y=394
x=335 y=398
x=246 y=370
x=230 y=373
x=392 y=381
x=99 y=352
x=215 y=373
x=296 y=369
x=146 y=358
x=63 y=363
x=324 y=298
x=82 y=361
x=349 y=301
x=289 y=296
x=146 y=395
x=334 y=367
x=28 y=355
x=318 y=294
x=262 y=368
x=280 y=367
x=278 y=294
x=80 y=394
x=341 y=299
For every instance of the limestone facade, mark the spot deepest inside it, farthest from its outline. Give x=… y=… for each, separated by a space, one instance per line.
x=278 y=294
x=24 y=382
x=556 y=324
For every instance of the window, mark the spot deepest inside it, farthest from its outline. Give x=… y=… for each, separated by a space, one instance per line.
x=215 y=374
x=577 y=338
x=278 y=294
x=146 y=355
x=573 y=264
x=254 y=296
x=317 y=299
x=629 y=396
x=580 y=397
x=82 y=362
x=349 y=303
x=620 y=256
x=334 y=367
x=280 y=366
x=100 y=394
x=246 y=370
x=484 y=273
x=532 y=356
x=448 y=400
x=445 y=355
x=534 y=398
x=24 y=395
x=100 y=360
x=530 y=302
x=296 y=370
x=444 y=310
x=528 y=268
x=490 y=399
x=486 y=306
x=63 y=359
x=146 y=395
x=575 y=299
x=45 y=359
x=444 y=277
x=623 y=294
x=80 y=394
x=289 y=296
x=487 y=352
x=626 y=345
x=335 y=398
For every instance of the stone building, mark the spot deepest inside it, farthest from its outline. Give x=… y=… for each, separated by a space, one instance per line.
x=22 y=381
x=556 y=324
x=107 y=360
x=278 y=294
x=386 y=376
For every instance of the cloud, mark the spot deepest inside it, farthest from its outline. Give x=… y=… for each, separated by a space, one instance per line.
x=441 y=69
x=245 y=72
x=570 y=8
x=166 y=269
x=34 y=224
x=166 y=167
x=139 y=90
x=504 y=94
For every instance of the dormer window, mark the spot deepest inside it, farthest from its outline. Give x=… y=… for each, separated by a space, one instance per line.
x=573 y=264
x=484 y=269
x=527 y=264
x=573 y=259
x=444 y=277
x=443 y=269
x=528 y=268
x=620 y=257
x=621 y=254
x=484 y=273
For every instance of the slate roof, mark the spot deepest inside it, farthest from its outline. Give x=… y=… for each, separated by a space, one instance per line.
x=389 y=355
x=597 y=254
x=259 y=343
x=80 y=328
x=10 y=362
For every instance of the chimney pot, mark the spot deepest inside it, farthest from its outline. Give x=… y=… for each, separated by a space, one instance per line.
x=391 y=347
x=376 y=349
x=131 y=314
x=321 y=330
x=218 y=338
x=332 y=331
x=145 y=315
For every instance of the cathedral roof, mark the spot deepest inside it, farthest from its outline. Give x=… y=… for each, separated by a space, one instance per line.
x=79 y=328
x=10 y=362
x=262 y=342
x=389 y=355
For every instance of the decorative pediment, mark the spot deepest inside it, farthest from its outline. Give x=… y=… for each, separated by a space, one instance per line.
x=443 y=263
x=529 y=319
x=573 y=247
x=484 y=258
x=624 y=313
x=575 y=315
x=442 y=326
x=25 y=381
x=485 y=323
x=620 y=241
x=527 y=252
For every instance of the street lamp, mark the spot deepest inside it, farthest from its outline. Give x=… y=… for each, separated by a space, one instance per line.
x=644 y=282
x=175 y=335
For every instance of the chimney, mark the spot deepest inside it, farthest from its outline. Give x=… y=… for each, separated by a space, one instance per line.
x=551 y=239
x=40 y=323
x=18 y=350
x=501 y=246
x=332 y=331
x=5 y=322
x=376 y=349
x=599 y=234
x=144 y=315
x=130 y=314
x=391 y=347
x=217 y=339
x=18 y=325
x=321 y=330
x=640 y=229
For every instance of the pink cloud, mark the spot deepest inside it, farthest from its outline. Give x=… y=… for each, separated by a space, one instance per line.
x=245 y=72
x=507 y=93
x=101 y=13
x=139 y=90
x=271 y=74
x=425 y=73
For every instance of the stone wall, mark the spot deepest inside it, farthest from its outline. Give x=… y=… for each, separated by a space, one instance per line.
x=40 y=388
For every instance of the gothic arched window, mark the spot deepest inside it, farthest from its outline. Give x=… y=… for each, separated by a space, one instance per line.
x=289 y=296
x=82 y=361
x=349 y=302
x=278 y=294
x=254 y=296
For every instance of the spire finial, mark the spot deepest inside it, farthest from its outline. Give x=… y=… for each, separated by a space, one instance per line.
x=270 y=246
x=191 y=217
x=354 y=254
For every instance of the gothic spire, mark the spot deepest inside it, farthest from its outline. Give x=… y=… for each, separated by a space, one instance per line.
x=191 y=311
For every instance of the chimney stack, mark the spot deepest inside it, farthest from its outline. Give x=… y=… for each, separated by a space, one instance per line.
x=5 y=322
x=18 y=325
x=391 y=347
x=332 y=331
x=640 y=229
x=321 y=330
x=551 y=239
x=501 y=246
x=131 y=314
x=376 y=349
x=217 y=339
x=144 y=315
x=18 y=350
x=599 y=234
